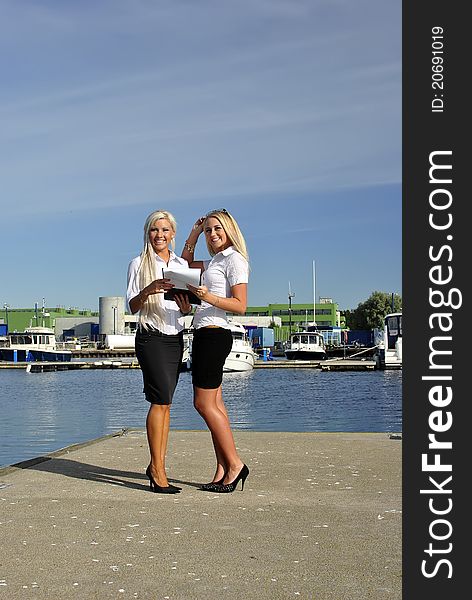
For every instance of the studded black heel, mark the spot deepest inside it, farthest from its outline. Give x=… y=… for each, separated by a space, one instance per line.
x=209 y=487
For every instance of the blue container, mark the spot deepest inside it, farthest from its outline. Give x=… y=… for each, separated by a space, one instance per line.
x=262 y=337
x=362 y=337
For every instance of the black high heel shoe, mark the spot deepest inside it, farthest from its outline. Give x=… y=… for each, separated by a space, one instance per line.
x=159 y=489
x=227 y=488
x=209 y=487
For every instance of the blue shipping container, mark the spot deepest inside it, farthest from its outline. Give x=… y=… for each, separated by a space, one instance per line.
x=363 y=337
x=262 y=337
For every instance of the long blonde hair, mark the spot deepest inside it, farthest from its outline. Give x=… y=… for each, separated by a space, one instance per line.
x=147 y=272
x=232 y=231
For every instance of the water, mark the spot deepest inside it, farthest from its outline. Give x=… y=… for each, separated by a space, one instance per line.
x=43 y=412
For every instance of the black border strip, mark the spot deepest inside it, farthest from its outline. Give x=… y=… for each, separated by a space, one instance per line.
x=435 y=121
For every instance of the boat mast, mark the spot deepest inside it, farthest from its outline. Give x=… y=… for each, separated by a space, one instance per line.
x=290 y=296
x=314 y=295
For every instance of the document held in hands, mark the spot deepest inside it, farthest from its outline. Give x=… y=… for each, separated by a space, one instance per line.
x=180 y=277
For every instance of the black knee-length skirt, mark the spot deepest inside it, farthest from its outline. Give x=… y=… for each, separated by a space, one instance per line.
x=210 y=348
x=160 y=358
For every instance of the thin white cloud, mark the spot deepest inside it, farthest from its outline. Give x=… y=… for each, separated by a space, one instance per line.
x=108 y=103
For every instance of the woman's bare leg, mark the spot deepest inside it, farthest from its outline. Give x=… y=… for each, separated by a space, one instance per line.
x=157 y=428
x=214 y=413
x=165 y=436
x=220 y=462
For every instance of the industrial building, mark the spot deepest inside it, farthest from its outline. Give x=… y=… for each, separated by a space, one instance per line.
x=112 y=318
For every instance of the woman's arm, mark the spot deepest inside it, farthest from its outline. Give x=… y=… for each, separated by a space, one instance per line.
x=157 y=286
x=191 y=242
x=237 y=304
x=136 y=303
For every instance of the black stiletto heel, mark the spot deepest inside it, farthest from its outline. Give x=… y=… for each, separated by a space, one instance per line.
x=158 y=489
x=227 y=488
x=172 y=487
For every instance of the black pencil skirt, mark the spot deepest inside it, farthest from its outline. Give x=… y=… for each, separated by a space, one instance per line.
x=160 y=358
x=210 y=348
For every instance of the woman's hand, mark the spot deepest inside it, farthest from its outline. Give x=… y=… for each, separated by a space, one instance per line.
x=159 y=286
x=191 y=241
x=183 y=303
x=201 y=291
x=198 y=226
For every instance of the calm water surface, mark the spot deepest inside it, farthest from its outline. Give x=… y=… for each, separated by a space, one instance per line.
x=42 y=412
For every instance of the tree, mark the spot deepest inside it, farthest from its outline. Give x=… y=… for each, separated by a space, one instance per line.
x=370 y=314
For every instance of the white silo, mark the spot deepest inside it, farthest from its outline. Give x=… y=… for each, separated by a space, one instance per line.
x=111 y=315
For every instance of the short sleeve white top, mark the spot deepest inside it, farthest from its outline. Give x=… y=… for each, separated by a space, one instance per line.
x=225 y=269
x=174 y=319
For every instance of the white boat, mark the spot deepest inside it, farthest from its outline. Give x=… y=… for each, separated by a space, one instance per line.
x=187 y=355
x=242 y=356
x=306 y=345
x=126 y=342
x=390 y=355
x=119 y=341
x=33 y=344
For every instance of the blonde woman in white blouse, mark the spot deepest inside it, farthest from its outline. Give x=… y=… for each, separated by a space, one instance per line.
x=159 y=337
x=223 y=289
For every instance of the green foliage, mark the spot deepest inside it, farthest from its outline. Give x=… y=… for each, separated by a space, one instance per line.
x=370 y=314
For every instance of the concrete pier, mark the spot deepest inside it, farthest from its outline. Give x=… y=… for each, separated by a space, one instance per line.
x=324 y=365
x=319 y=518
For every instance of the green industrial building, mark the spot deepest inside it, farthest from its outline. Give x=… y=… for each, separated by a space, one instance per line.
x=298 y=316
x=293 y=317
x=18 y=319
x=327 y=314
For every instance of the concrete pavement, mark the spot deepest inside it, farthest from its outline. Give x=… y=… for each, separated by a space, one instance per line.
x=319 y=518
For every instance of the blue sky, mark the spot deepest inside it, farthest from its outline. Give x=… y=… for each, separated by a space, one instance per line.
x=285 y=112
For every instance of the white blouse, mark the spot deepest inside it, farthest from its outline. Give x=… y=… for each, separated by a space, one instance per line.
x=174 y=319
x=225 y=269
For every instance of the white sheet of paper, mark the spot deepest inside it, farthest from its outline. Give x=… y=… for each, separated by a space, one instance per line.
x=181 y=277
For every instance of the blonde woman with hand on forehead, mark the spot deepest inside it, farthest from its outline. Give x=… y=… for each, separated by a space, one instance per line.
x=223 y=289
x=159 y=336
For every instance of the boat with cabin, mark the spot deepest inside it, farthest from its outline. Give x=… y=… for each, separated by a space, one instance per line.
x=390 y=348
x=242 y=356
x=310 y=343
x=306 y=345
x=186 y=363
x=119 y=341
x=126 y=342
x=32 y=345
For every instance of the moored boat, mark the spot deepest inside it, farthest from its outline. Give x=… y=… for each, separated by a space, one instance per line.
x=242 y=355
x=31 y=345
x=119 y=341
x=126 y=342
x=390 y=350
x=240 y=358
x=186 y=364
x=306 y=345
